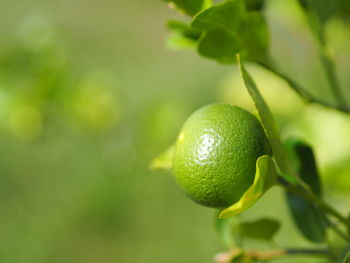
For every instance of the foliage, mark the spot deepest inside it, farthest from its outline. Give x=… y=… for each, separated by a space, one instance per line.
x=87 y=99
x=309 y=219
x=237 y=28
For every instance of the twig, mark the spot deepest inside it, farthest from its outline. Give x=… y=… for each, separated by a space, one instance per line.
x=309 y=252
x=270 y=254
x=301 y=91
x=337 y=230
x=317 y=28
x=329 y=67
x=314 y=199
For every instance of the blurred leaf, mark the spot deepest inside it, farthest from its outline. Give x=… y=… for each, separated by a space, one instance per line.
x=324 y=9
x=254 y=4
x=183 y=35
x=264 y=228
x=347 y=258
x=183 y=28
x=96 y=105
x=337 y=244
x=241 y=258
x=177 y=41
x=231 y=231
x=289 y=178
x=25 y=121
x=310 y=221
x=224 y=17
x=254 y=35
x=344 y=10
x=344 y=256
x=164 y=161
x=219 y=45
x=268 y=122
x=190 y=7
x=226 y=229
x=265 y=178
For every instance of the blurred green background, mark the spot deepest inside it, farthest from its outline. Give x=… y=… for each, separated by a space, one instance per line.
x=90 y=93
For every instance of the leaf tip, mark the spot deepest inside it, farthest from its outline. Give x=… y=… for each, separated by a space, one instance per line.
x=163 y=161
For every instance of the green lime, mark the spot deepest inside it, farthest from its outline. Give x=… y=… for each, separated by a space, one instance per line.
x=215 y=154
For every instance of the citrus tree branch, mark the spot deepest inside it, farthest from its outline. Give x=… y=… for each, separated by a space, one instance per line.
x=317 y=28
x=337 y=230
x=314 y=199
x=271 y=254
x=328 y=65
x=310 y=252
x=301 y=91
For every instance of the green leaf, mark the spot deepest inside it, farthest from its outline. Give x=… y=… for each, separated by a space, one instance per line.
x=347 y=258
x=336 y=243
x=164 y=161
x=265 y=178
x=183 y=35
x=344 y=256
x=304 y=163
x=190 y=7
x=230 y=29
x=324 y=9
x=226 y=229
x=268 y=122
x=179 y=42
x=183 y=28
x=254 y=36
x=254 y=4
x=223 y=17
x=344 y=10
x=219 y=45
x=241 y=258
x=264 y=229
x=309 y=219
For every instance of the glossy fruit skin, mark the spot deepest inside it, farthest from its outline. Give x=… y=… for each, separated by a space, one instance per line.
x=215 y=154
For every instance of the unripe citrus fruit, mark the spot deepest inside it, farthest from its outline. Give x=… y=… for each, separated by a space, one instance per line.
x=215 y=154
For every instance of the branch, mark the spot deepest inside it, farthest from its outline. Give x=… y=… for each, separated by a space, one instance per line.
x=314 y=199
x=317 y=28
x=337 y=230
x=301 y=91
x=270 y=254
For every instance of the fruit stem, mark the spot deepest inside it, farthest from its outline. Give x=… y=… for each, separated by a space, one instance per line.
x=314 y=199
